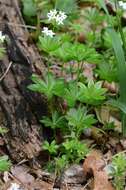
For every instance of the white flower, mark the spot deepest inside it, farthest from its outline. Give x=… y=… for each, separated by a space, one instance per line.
x=14 y=186
x=59 y=20
x=52 y=14
x=122 y=4
x=2 y=37
x=58 y=17
x=62 y=15
x=48 y=32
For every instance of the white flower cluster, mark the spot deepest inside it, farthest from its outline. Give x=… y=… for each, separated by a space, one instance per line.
x=59 y=17
x=48 y=32
x=2 y=37
x=122 y=5
x=15 y=186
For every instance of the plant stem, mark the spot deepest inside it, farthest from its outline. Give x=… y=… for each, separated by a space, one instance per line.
x=78 y=71
x=38 y=26
x=124 y=124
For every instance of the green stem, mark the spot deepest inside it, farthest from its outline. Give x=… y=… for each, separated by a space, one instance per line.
x=78 y=71
x=38 y=29
x=124 y=124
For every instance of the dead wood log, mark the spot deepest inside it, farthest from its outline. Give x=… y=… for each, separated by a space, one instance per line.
x=20 y=109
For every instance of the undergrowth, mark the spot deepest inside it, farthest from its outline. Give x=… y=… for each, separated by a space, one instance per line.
x=83 y=49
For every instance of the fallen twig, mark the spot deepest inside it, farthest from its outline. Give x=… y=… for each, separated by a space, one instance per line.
x=3 y=76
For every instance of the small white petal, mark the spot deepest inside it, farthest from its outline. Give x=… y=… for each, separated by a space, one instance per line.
x=122 y=5
x=62 y=15
x=59 y=20
x=48 y=32
x=2 y=37
x=52 y=14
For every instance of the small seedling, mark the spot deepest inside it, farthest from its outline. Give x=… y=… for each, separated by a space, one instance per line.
x=55 y=122
x=50 y=86
x=119 y=171
x=92 y=94
x=51 y=148
x=5 y=164
x=79 y=120
x=75 y=150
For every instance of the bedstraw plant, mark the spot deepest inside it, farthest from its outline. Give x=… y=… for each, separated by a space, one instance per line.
x=71 y=96
x=68 y=97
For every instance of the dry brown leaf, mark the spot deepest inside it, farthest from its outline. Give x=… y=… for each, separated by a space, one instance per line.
x=95 y=164
x=21 y=174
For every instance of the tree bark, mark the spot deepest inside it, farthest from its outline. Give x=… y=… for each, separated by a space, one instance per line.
x=20 y=109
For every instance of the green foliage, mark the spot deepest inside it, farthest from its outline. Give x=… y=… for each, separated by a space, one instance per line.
x=92 y=94
x=107 y=71
x=51 y=148
x=121 y=68
x=2 y=52
x=3 y=130
x=75 y=150
x=80 y=52
x=60 y=164
x=29 y=8
x=49 y=44
x=79 y=120
x=109 y=126
x=94 y=17
x=119 y=170
x=5 y=164
x=77 y=28
x=68 y=6
x=62 y=52
x=78 y=43
x=50 y=86
x=71 y=94
x=55 y=122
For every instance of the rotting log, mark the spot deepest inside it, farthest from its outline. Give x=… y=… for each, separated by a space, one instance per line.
x=20 y=109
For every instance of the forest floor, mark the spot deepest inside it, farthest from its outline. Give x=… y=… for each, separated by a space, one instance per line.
x=77 y=68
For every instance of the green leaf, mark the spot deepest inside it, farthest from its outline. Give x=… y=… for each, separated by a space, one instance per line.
x=94 y=17
x=2 y=52
x=117 y=104
x=56 y=121
x=75 y=150
x=59 y=87
x=49 y=44
x=29 y=8
x=3 y=130
x=62 y=53
x=61 y=163
x=81 y=52
x=103 y=5
x=49 y=86
x=79 y=119
x=121 y=68
x=119 y=162
x=92 y=94
x=71 y=94
x=107 y=71
x=68 y=6
x=43 y=86
x=5 y=164
x=51 y=148
x=121 y=64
